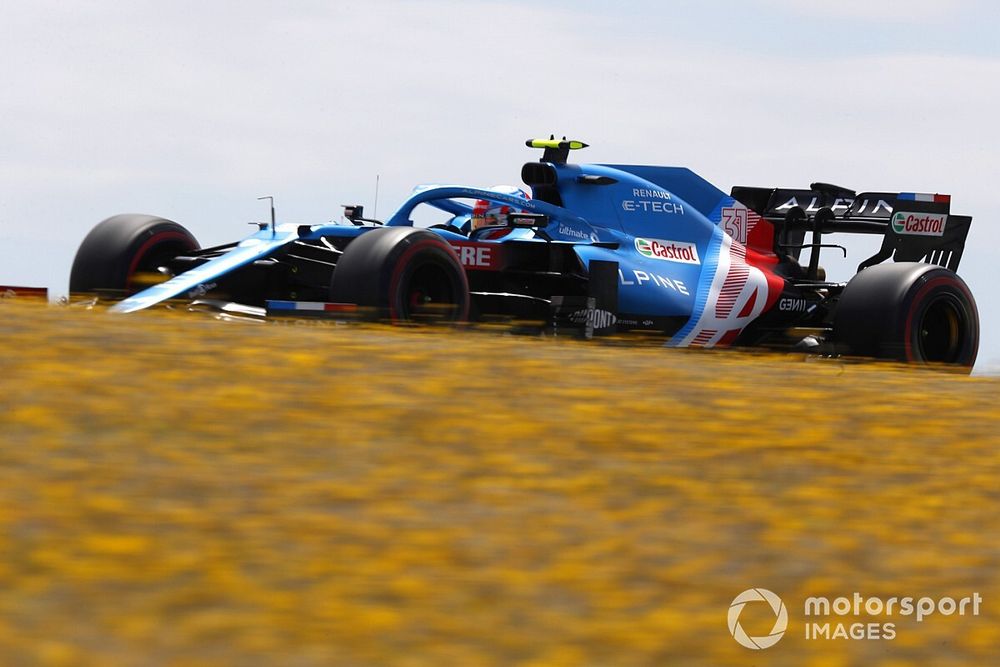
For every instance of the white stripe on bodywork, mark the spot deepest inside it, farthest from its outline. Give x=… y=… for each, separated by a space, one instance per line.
x=710 y=327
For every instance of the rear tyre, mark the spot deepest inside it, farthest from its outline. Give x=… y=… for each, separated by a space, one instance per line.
x=121 y=255
x=402 y=274
x=911 y=312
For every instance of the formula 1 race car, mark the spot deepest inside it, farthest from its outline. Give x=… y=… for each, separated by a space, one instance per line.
x=595 y=249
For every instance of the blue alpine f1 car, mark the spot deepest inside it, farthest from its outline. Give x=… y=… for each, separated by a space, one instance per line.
x=596 y=249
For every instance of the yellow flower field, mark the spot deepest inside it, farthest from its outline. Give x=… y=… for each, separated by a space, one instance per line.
x=175 y=490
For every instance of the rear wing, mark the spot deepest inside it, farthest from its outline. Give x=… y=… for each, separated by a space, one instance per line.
x=915 y=227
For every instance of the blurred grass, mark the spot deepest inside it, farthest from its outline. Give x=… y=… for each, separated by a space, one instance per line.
x=180 y=491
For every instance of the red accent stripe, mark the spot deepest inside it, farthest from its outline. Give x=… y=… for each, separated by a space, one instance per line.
x=731 y=289
x=942 y=199
x=703 y=338
x=340 y=307
x=751 y=302
x=729 y=337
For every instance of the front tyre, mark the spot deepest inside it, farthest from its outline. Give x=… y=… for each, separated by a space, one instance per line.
x=402 y=274
x=910 y=312
x=122 y=255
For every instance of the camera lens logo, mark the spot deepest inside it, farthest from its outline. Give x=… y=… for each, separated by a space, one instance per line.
x=780 y=623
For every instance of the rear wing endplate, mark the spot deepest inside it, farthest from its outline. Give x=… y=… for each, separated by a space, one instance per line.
x=939 y=239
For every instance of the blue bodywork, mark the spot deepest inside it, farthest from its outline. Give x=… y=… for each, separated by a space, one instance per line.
x=597 y=249
x=660 y=224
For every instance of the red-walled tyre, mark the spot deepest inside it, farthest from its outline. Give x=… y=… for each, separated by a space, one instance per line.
x=911 y=312
x=402 y=274
x=122 y=254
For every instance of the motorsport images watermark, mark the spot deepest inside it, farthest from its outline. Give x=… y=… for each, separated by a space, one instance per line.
x=855 y=606
x=780 y=621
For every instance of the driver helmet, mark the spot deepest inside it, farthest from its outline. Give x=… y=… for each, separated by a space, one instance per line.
x=487 y=213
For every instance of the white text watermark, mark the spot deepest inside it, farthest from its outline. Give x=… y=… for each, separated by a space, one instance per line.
x=857 y=617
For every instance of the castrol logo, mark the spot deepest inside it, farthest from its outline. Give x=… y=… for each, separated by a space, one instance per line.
x=919 y=224
x=669 y=251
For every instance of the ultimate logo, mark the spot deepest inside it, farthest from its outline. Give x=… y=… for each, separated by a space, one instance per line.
x=670 y=251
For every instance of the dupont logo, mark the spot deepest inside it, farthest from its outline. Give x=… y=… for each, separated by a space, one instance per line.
x=599 y=319
x=669 y=251
x=919 y=224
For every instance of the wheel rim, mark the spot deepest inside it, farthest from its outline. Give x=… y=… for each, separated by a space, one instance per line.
x=430 y=294
x=940 y=334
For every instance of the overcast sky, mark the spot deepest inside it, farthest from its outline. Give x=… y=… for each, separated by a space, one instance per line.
x=191 y=110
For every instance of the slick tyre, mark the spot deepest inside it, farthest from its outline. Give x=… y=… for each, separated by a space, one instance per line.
x=910 y=312
x=402 y=274
x=121 y=255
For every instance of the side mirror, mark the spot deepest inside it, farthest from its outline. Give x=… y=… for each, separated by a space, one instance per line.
x=354 y=212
